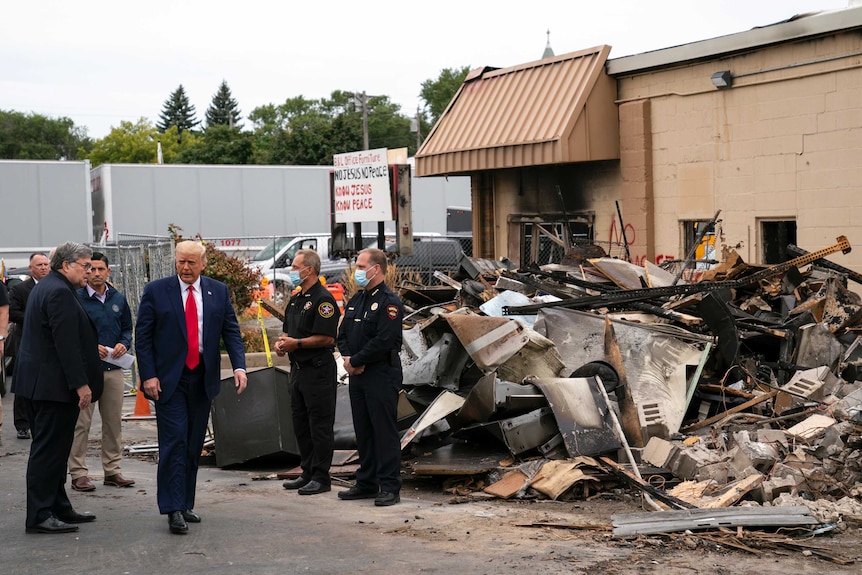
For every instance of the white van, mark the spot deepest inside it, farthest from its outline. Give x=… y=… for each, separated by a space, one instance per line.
x=273 y=261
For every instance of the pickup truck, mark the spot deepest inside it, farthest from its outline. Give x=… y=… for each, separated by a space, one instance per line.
x=273 y=261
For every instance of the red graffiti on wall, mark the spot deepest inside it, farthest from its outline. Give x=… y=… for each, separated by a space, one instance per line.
x=615 y=238
x=624 y=238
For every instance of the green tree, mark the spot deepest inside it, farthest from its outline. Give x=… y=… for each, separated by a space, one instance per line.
x=219 y=145
x=309 y=132
x=223 y=110
x=437 y=93
x=387 y=127
x=38 y=137
x=267 y=124
x=137 y=143
x=177 y=111
x=297 y=132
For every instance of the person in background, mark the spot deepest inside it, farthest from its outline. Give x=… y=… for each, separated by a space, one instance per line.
x=112 y=316
x=4 y=332
x=18 y=295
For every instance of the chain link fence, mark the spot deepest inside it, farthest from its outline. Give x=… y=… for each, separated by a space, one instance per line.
x=136 y=260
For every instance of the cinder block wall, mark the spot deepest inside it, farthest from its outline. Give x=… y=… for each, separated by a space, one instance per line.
x=784 y=142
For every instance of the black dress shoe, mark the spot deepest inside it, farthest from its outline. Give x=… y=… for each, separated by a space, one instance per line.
x=295 y=483
x=356 y=492
x=177 y=523
x=75 y=517
x=191 y=517
x=52 y=525
x=23 y=434
x=313 y=487
x=387 y=498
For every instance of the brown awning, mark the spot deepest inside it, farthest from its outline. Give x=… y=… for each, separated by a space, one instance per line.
x=553 y=111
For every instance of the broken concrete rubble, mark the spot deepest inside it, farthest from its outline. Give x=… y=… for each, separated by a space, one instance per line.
x=769 y=383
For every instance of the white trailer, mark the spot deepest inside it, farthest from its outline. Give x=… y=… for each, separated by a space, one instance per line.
x=239 y=203
x=42 y=204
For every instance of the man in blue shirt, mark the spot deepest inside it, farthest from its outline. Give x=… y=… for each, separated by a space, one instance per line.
x=112 y=317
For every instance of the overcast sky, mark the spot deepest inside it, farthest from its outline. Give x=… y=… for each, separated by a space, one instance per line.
x=100 y=62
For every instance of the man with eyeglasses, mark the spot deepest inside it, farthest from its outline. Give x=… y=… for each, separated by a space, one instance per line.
x=18 y=296
x=310 y=327
x=59 y=371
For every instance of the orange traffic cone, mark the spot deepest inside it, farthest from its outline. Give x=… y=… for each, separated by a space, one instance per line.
x=142 y=407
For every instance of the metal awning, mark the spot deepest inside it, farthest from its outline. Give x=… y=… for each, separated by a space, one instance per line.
x=552 y=111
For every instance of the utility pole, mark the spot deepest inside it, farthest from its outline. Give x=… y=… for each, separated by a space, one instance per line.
x=364 y=102
x=418 y=129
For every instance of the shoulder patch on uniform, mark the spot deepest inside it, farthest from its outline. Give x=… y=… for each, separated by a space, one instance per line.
x=392 y=311
x=326 y=310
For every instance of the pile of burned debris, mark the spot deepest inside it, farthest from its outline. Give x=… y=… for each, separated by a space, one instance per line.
x=557 y=381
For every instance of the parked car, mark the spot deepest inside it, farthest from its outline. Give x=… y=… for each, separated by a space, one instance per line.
x=15 y=276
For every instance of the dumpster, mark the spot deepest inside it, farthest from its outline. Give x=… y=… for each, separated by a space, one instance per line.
x=256 y=423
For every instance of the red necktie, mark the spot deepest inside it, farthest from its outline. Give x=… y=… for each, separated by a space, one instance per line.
x=193 y=355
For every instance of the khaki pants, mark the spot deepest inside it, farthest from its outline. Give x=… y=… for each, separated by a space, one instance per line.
x=111 y=410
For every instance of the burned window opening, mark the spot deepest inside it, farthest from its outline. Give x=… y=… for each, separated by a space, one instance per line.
x=775 y=235
x=705 y=253
x=543 y=240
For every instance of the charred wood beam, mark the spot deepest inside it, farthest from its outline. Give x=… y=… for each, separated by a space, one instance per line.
x=565 y=279
x=629 y=478
x=731 y=411
x=527 y=279
x=782 y=333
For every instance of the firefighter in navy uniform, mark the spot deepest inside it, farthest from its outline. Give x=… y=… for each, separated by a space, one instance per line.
x=369 y=340
x=310 y=328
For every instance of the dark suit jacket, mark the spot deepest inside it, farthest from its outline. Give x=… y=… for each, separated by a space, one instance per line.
x=59 y=350
x=18 y=296
x=161 y=337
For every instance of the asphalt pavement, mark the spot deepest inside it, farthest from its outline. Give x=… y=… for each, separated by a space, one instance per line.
x=249 y=526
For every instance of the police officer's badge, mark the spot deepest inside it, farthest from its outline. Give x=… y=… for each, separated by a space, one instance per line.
x=392 y=311
x=307 y=306
x=374 y=306
x=326 y=310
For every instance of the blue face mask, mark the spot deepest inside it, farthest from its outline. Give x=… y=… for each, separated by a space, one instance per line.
x=295 y=277
x=361 y=279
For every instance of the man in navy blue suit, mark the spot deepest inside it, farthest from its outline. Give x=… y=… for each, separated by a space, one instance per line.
x=180 y=322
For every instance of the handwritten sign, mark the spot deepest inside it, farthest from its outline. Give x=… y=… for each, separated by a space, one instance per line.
x=361 y=187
